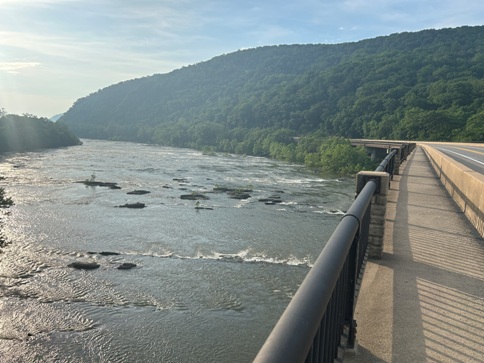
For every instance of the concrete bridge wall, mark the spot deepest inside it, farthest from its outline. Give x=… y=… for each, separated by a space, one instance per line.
x=465 y=185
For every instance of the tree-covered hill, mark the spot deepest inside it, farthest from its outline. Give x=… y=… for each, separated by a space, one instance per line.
x=27 y=132
x=427 y=85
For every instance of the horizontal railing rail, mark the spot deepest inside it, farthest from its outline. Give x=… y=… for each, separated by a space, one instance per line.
x=388 y=164
x=321 y=312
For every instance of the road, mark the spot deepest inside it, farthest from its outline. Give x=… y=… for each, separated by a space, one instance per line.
x=470 y=155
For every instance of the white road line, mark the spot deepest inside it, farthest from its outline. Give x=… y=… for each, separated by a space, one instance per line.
x=464 y=156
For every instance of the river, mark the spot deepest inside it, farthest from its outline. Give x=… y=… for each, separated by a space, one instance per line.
x=208 y=285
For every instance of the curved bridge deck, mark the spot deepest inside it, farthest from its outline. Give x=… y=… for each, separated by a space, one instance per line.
x=424 y=300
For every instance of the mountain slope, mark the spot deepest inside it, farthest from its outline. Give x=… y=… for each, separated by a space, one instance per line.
x=425 y=85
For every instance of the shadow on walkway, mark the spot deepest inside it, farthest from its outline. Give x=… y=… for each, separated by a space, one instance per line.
x=424 y=300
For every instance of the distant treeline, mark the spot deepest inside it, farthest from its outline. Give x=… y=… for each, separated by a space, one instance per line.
x=427 y=85
x=27 y=132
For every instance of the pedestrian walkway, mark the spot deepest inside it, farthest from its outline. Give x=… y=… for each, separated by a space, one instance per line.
x=424 y=300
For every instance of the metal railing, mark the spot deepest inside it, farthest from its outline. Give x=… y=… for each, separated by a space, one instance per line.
x=388 y=164
x=320 y=315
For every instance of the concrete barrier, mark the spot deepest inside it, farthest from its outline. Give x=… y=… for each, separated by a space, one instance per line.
x=464 y=185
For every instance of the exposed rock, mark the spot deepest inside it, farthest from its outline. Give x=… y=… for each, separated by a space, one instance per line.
x=234 y=193
x=126 y=266
x=138 y=192
x=92 y=183
x=84 y=265
x=194 y=196
x=107 y=253
x=207 y=208
x=223 y=189
x=103 y=253
x=132 y=205
x=273 y=199
x=180 y=180
x=239 y=195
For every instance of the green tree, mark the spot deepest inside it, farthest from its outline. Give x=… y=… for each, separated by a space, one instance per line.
x=474 y=129
x=337 y=156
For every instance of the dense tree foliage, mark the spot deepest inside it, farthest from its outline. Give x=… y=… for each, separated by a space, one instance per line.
x=417 y=86
x=27 y=132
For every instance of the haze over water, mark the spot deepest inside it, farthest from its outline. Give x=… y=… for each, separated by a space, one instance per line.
x=209 y=284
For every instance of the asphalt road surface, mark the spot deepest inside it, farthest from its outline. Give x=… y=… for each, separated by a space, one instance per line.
x=471 y=155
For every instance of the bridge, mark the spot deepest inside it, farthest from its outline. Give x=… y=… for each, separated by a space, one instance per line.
x=402 y=277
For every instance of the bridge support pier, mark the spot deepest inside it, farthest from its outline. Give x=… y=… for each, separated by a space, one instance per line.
x=378 y=209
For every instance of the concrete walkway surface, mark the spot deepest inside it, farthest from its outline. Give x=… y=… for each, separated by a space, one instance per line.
x=424 y=300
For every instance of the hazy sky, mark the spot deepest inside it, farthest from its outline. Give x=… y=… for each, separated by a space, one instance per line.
x=53 y=52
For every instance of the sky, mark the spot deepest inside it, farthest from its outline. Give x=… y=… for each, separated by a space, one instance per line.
x=53 y=52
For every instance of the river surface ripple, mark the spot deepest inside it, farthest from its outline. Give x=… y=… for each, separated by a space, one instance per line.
x=209 y=284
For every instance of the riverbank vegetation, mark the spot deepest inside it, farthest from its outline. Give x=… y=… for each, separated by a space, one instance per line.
x=332 y=154
x=28 y=132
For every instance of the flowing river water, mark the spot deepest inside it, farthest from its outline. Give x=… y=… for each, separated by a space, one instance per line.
x=208 y=285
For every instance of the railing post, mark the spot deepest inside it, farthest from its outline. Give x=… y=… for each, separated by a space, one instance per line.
x=399 y=157
x=353 y=271
x=378 y=209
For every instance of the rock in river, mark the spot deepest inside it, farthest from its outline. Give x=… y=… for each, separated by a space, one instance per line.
x=194 y=196
x=108 y=253
x=239 y=195
x=92 y=183
x=84 y=265
x=138 y=192
x=126 y=266
x=132 y=205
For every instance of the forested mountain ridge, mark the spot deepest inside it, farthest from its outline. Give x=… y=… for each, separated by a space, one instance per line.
x=427 y=85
